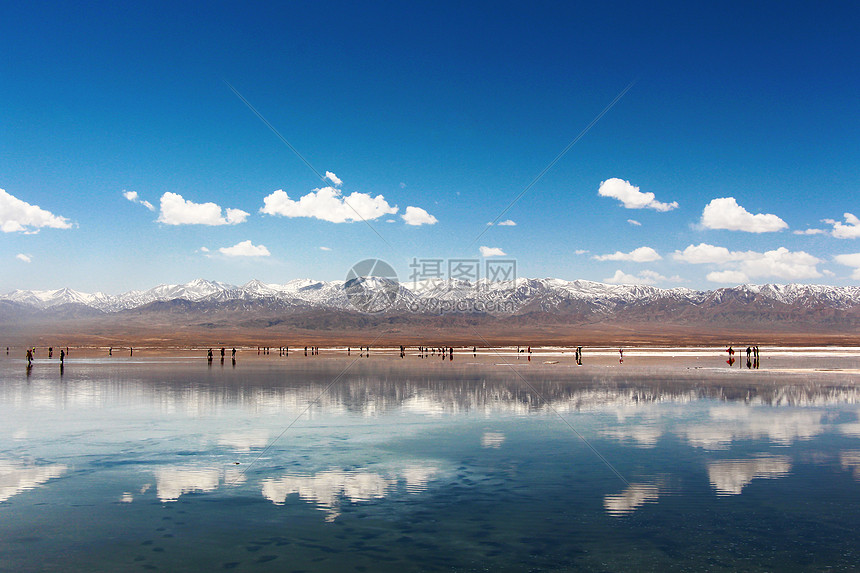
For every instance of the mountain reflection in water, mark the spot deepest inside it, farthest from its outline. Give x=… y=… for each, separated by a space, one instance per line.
x=467 y=461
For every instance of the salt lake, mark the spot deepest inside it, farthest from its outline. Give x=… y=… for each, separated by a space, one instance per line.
x=671 y=461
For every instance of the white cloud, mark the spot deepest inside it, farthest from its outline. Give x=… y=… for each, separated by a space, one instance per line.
x=780 y=263
x=508 y=223
x=631 y=197
x=134 y=198
x=325 y=248
x=177 y=211
x=204 y=249
x=850 y=229
x=655 y=276
x=850 y=260
x=327 y=204
x=333 y=178
x=19 y=216
x=810 y=232
x=634 y=222
x=640 y=255
x=245 y=249
x=23 y=257
x=622 y=278
x=731 y=277
x=492 y=252
x=705 y=253
x=418 y=216
x=581 y=251
x=725 y=213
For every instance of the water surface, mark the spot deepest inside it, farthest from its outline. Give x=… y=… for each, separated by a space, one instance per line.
x=389 y=464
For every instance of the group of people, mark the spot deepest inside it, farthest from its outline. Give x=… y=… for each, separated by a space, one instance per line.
x=31 y=355
x=752 y=357
x=130 y=351
x=210 y=355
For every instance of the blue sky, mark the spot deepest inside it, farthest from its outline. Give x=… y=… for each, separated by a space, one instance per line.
x=744 y=116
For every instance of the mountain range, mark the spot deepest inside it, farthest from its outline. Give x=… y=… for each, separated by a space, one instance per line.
x=553 y=307
x=516 y=296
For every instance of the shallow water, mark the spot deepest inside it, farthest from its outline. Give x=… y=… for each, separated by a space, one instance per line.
x=383 y=464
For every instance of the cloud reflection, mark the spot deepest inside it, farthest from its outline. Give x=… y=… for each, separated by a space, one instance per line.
x=850 y=461
x=729 y=477
x=17 y=477
x=326 y=489
x=732 y=423
x=635 y=496
x=245 y=441
x=492 y=440
x=173 y=481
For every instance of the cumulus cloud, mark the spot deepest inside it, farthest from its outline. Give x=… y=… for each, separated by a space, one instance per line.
x=492 y=252
x=418 y=216
x=327 y=204
x=725 y=213
x=134 y=198
x=634 y=222
x=705 y=253
x=850 y=260
x=731 y=277
x=779 y=263
x=643 y=278
x=631 y=197
x=850 y=229
x=507 y=223
x=640 y=255
x=333 y=178
x=19 y=216
x=810 y=232
x=245 y=249
x=23 y=257
x=178 y=211
x=581 y=251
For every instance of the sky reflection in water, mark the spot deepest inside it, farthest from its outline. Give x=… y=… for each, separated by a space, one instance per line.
x=451 y=465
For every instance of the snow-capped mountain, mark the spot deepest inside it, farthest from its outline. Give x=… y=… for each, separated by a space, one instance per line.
x=522 y=295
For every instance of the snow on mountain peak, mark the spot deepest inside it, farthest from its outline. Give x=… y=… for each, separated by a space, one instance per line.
x=545 y=293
